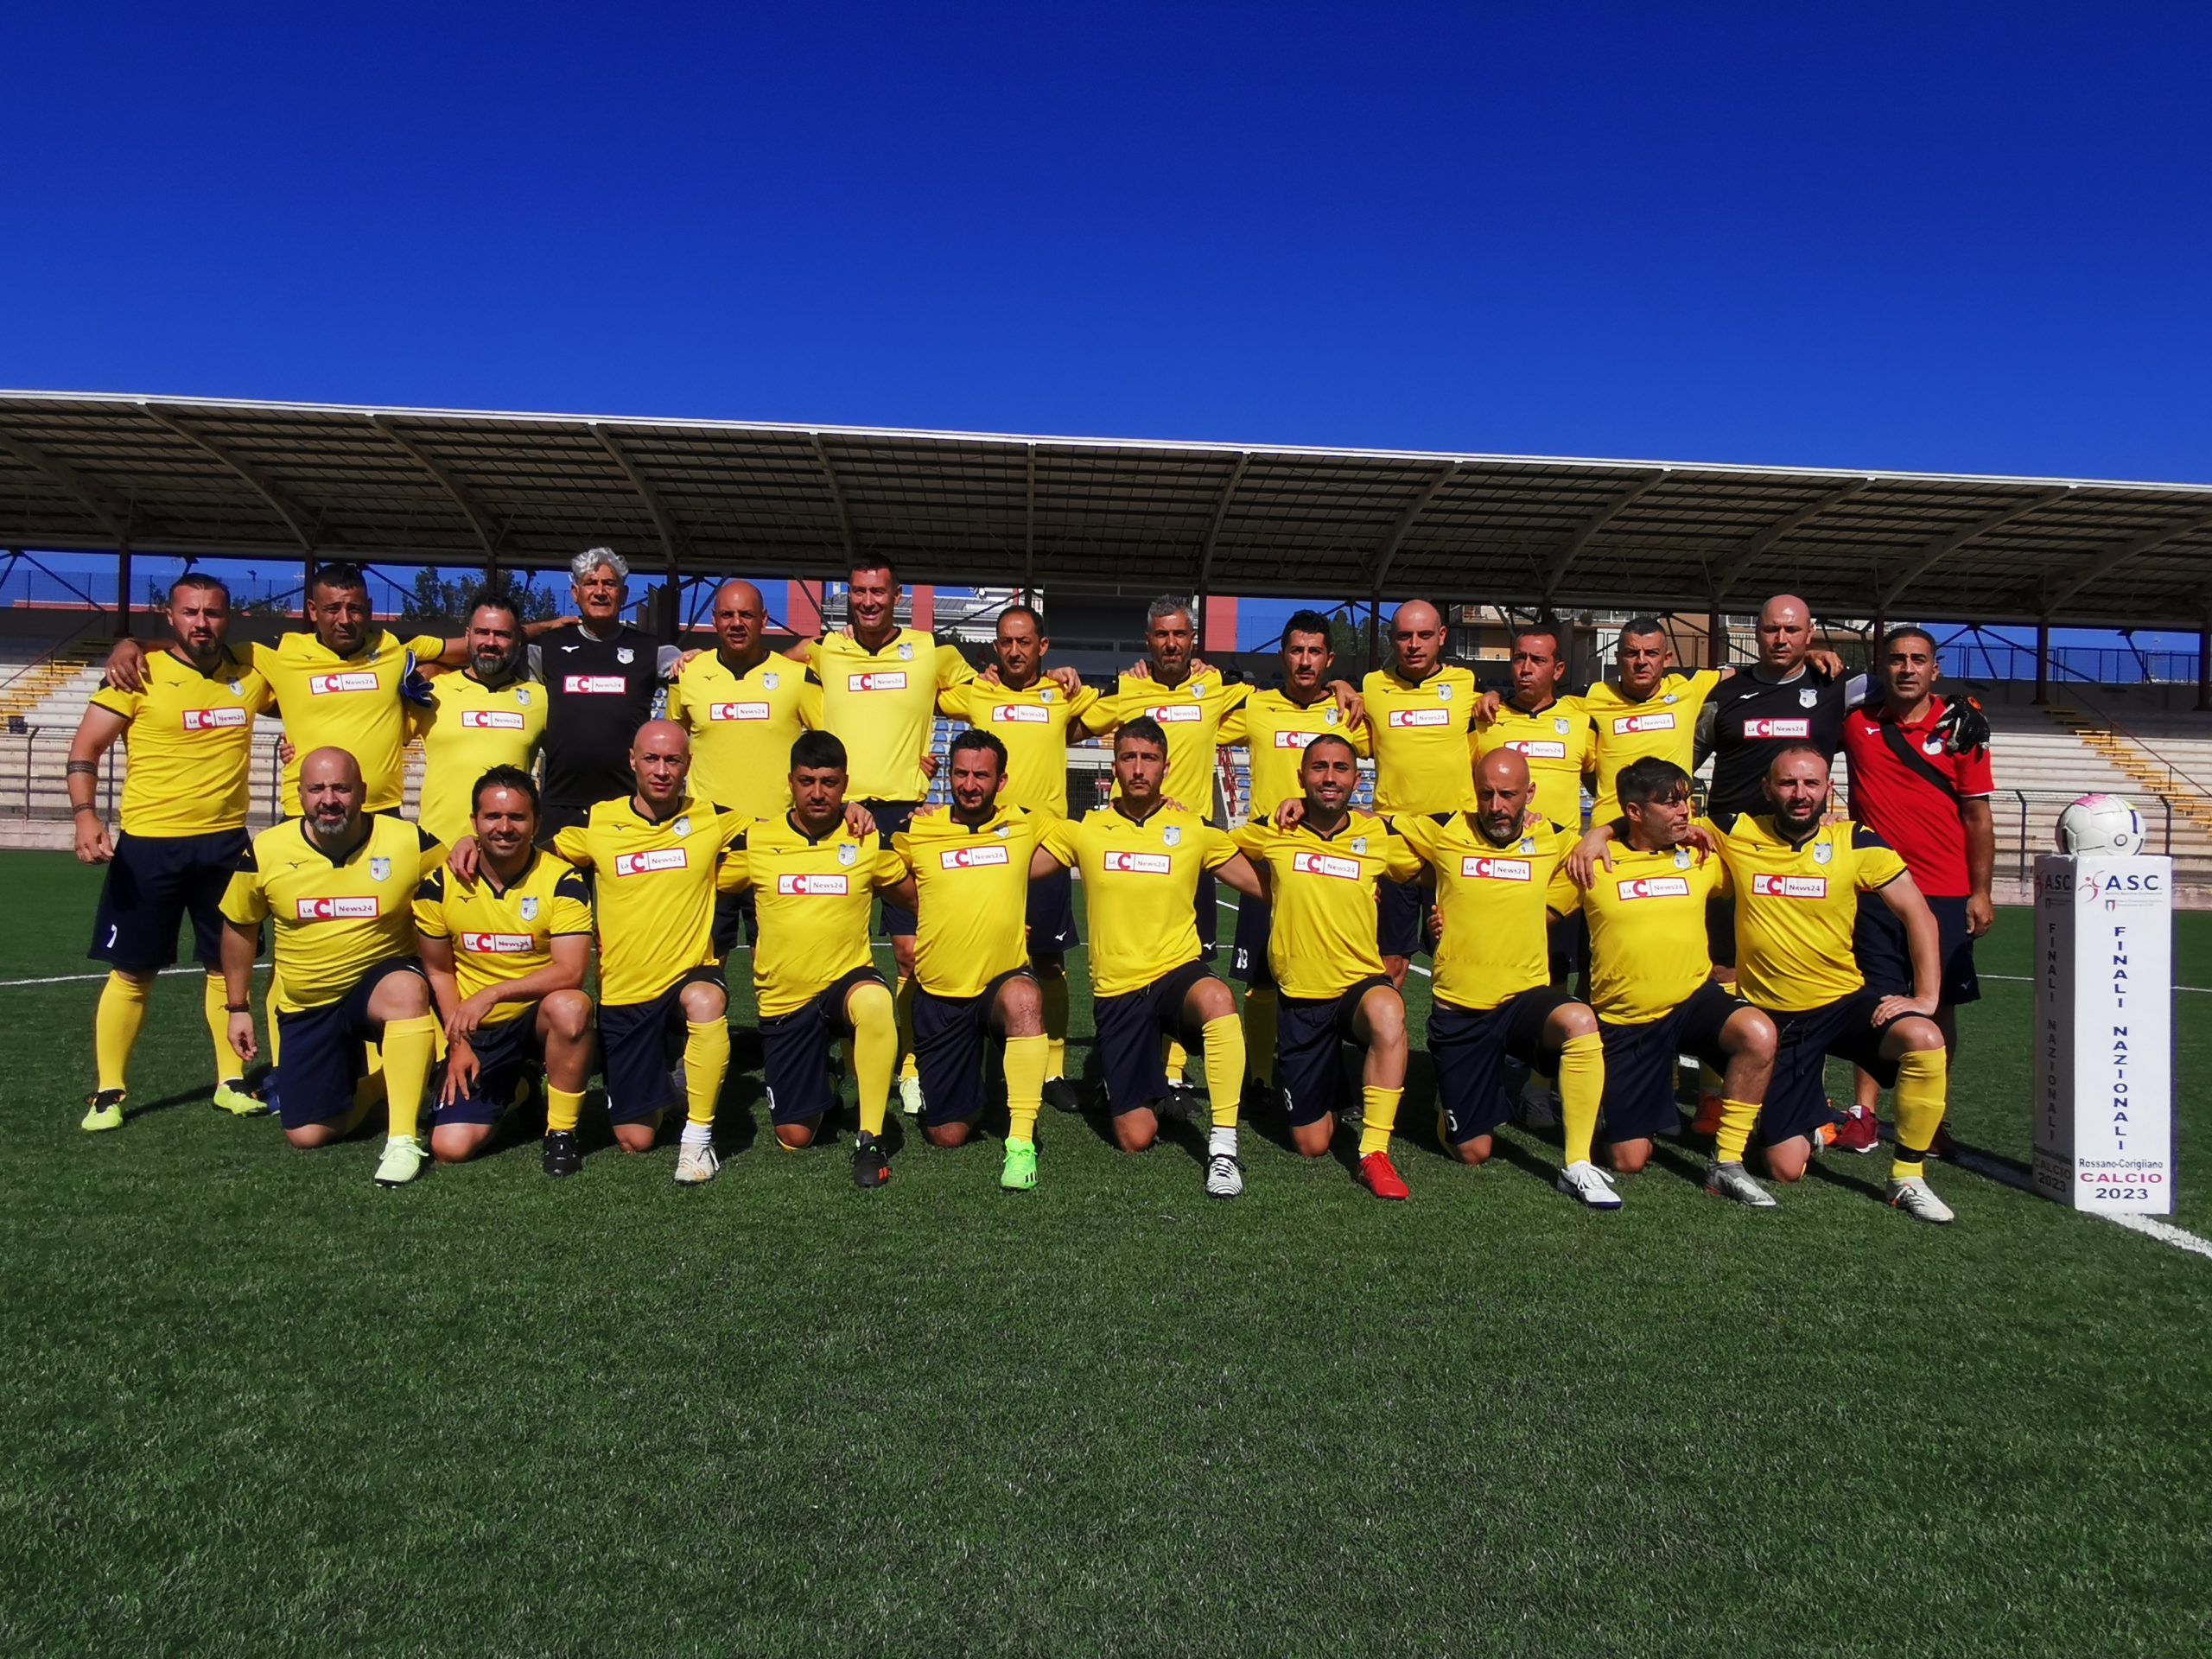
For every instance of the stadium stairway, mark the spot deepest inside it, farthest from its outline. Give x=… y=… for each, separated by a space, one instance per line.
x=64 y=679
x=2151 y=768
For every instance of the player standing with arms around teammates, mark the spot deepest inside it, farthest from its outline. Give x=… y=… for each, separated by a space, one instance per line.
x=602 y=678
x=1499 y=881
x=1320 y=873
x=338 y=885
x=1030 y=715
x=1799 y=883
x=490 y=713
x=506 y=955
x=1921 y=779
x=1141 y=859
x=969 y=869
x=188 y=735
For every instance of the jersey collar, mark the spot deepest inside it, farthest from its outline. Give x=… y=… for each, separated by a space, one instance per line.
x=830 y=834
x=483 y=870
x=1351 y=816
x=688 y=802
x=369 y=822
x=226 y=661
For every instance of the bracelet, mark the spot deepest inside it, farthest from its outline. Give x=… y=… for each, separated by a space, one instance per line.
x=82 y=769
x=86 y=807
x=238 y=1007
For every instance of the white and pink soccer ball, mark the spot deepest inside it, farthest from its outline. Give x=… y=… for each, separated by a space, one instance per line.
x=2102 y=826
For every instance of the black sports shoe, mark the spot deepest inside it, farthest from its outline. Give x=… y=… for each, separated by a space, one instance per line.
x=871 y=1168
x=561 y=1156
x=1060 y=1096
x=1181 y=1101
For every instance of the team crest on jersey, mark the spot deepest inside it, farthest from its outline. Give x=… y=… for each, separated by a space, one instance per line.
x=1682 y=858
x=1823 y=851
x=1559 y=725
x=847 y=853
x=238 y=687
x=522 y=696
x=1359 y=844
x=771 y=680
x=624 y=654
x=906 y=651
x=1933 y=746
x=1048 y=693
x=1444 y=692
x=379 y=869
x=1669 y=697
x=1003 y=831
x=682 y=825
x=1172 y=835
x=1807 y=697
x=1528 y=845
x=1329 y=715
x=530 y=907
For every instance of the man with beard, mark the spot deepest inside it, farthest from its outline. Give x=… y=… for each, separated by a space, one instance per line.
x=490 y=713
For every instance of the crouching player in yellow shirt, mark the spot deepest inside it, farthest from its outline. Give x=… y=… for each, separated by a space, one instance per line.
x=506 y=955
x=1499 y=881
x=968 y=870
x=1319 y=874
x=814 y=874
x=1797 y=882
x=337 y=883
x=1139 y=860
x=1651 y=982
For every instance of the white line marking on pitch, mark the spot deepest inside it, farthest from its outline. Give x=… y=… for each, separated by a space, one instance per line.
x=2023 y=979
x=71 y=979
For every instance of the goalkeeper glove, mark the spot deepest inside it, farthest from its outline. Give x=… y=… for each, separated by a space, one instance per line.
x=1963 y=726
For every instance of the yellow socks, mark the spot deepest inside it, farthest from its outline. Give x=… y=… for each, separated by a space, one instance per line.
x=1260 y=1033
x=1581 y=1087
x=905 y=1000
x=875 y=1050
x=1736 y=1117
x=269 y=1019
x=1055 y=993
x=1025 y=1085
x=1175 y=1058
x=563 y=1109
x=1923 y=1082
x=215 y=1003
x=1225 y=1064
x=1379 y=1115
x=706 y=1061
x=115 y=1027
x=408 y=1047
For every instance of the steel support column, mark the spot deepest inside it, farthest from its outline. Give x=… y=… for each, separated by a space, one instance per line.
x=2043 y=661
x=1716 y=640
x=2204 y=664
x=123 y=589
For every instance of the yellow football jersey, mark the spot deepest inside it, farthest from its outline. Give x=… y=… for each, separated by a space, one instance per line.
x=972 y=885
x=882 y=704
x=1647 y=930
x=1322 y=939
x=655 y=892
x=1140 y=885
x=1556 y=743
x=1424 y=755
x=1796 y=906
x=332 y=920
x=1190 y=714
x=188 y=744
x=1274 y=732
x=1032 y=723
x=503 y=934
x=468 y=728
x=1663 y=724
x=1497 y=904
x=742 y=727
x=352 y=704
x=813 y=897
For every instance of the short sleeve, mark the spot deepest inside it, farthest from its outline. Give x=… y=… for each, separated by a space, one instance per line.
x=674 y=709
x=1102 y=714
x=810 y=652
x=571 y=845
x=1974 y=775
x=734 y=873
x=244 y=901
x=1400 y=861
x=430 y=907
x=1877 y=863
x=810 y=700
x=952 y=668
x=890 y=868
x=957 y=701
x=427 y=647
x=669 y=663
x=1562 y=896
x=1362 y=744
x=117 y=701
x=1086 y=696
x=1216 y=848
x=1232 y=728
x=1416 y=832
x=1723 y=885
x=902 y=849
x=432 y=853
x=1251 y=838
x=264 y=658
x=1056 y=841
x=571 y=910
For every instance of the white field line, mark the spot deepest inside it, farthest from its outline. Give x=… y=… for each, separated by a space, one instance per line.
x=71 y=979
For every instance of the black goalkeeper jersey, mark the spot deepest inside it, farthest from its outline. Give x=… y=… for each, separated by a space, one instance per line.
x=1754 y=719
x=598 y=693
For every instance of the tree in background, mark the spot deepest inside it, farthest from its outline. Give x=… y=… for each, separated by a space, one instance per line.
x=435 y=598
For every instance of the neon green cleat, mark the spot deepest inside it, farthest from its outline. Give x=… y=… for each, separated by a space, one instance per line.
x=1019 y=1172
x=106 y=1112
x=233 y=1096
x=401 y=1161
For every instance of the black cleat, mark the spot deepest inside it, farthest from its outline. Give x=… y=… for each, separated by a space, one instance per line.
x=561 y=1156
x=1060 y=1096
x=1181 y=1101
x=871 y=1168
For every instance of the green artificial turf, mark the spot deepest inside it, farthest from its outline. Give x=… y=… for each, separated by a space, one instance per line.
x=260 y=1405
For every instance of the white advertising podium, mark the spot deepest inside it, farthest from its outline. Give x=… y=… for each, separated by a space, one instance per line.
x=2104 y=1033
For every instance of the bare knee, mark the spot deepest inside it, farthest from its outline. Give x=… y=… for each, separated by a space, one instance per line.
x=1475 y=1151
x=1631 y=1156
x=1787 y=1162
x=948 y=1135
x=457 y=1142
x=567 y=1015
x=1136 y=1131
x=638 y=1137
x=1313 y=1139
x=308 y=1136
x=796 y=1135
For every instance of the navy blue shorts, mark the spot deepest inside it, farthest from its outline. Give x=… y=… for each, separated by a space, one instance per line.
x=1050 y=918
x=892 y=816
x=1468 y=1048
x=1568 y=943
x=735 y=915
x=1797 y=1095
x=952 y=1036
x=1720 y=931
x=1130 y=1028
x=1206 y=913
x=1639 y=1100
x=1247 y=957
x=638 y=1043
x=322 y=1049
x=796 y=1047
x=1886 y=959
x=505 y=1054
x=1309 y=1033
x=152 y=885
x=1399 y=923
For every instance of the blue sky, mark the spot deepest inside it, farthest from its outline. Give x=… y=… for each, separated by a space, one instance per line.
x=1935 y=238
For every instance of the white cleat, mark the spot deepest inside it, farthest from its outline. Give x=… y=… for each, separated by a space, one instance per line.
x=1224 y=1176
x=696 y=1165
x=1734 y=1181
x=910 y=1096
x=1589 y=1186
x=1917 y=1199
x=401 y=1161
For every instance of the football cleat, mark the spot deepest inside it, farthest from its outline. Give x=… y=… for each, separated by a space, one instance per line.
x=1181 y=1101
x=1707 y=1121
x=1917 y=1199
x=871 y=1168
x=560 y=1155
x=1019 y=1172
x=1538 y=1108
x=910 y=1096
x=697 y=1164
x=1060 y=1096
x=401 y=1161
x=1380 y=1177
x=1224 y=1176
x=1261 y=1098
x=106 y=1111
x=1942 y=1146
x=1733 y=1181
x=1860 y=1131
x=233 y=1096
x=1590 y=1186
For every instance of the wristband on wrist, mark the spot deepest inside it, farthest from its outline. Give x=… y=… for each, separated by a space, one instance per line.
x=238 y=1007
x=84 y=806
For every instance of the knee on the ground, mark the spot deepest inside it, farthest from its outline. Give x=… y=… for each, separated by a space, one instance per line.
x=458 y=1143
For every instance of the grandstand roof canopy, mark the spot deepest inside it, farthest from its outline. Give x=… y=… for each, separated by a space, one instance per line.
x=225 y=478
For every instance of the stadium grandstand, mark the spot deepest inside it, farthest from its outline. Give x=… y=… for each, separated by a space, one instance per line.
x=261 y=491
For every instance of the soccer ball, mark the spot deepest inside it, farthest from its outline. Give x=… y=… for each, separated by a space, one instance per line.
x=2103 y=825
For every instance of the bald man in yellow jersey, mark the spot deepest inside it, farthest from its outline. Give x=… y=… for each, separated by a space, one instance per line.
x=490 y=714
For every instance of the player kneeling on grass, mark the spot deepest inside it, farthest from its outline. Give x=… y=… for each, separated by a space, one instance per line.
x=506 y=955
x=1797 y=882
x=1499 y=880
x=1318 y=863
x=969 y=869
x=814 y=875
x=1139 y=859
x=337 y=883
x=1651 y=979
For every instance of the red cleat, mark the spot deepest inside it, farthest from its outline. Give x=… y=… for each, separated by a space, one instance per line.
x=1861 y=1131
x=1377 y=1175
x=1707 y=1121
